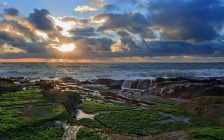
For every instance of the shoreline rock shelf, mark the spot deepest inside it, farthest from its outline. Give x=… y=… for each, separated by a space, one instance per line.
x=166 y=104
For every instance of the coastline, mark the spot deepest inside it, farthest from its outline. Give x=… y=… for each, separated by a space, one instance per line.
x=90 y=106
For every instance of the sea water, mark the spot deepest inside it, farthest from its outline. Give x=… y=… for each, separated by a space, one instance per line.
x=127 y=71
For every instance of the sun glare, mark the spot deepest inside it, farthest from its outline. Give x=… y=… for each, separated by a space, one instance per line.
x=66 y=47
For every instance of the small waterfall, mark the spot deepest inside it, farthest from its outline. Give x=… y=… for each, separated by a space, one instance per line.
x=151 y=82
x=140 y=82
x=126 y=84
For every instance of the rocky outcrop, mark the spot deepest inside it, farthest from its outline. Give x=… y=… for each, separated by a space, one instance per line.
x=110 y=95
x=206 y=106
x=70 y=100
x=44 y=84
x=7 y=85
x=10 y=88
x=187 y=88
x=137 y=84
x=71 y=80
x=116 y=84
x=87 y=82
x=141 y=84
x=113 y=84
x=103 y=81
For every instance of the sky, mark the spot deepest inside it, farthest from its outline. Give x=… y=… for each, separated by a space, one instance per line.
x=112 y=31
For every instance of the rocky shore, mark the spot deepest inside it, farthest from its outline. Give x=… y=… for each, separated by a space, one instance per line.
x=119 y=109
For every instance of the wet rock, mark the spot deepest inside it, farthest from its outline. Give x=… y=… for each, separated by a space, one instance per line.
x=113 y=84
x=58 y=123
x=187 y=88
x=7 y=85
x=116 y=84
x=137 y=84
x=71 y=80
x=10 y=88
x=134 y=84
x=103 y=81
x=24 y=81
x=144 y=84
x=70 y=100
x=87 y=82
x=159 y=79
x=5 y=80
x=114 y=96
x=46 y=85
x=206 y=106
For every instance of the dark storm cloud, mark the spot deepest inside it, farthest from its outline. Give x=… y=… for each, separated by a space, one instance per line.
x=181 y=48
x=11 y=11
x=198 y=21
x=37 y=48
x=133 y=22
x=40 y=19
x=116 y=21
x=130 y=43
x=94 y=44
x=7 y=37
x=193 y=20
x=82 y=32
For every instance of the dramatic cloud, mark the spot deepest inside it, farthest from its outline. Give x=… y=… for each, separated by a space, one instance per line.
x=97 y=45
x=5 y=48
x=84 y=9
x=133 y=22
x=181 y=48
x=154 y=28
x=14 y=31
x=75 y=20
x=11 y=11
x=40 y=19
x=193 y=20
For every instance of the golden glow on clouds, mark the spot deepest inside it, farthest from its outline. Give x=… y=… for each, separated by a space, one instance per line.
x=5 y=48
x=84 y=9
x=119 y=47
x=42 y=35
x=98 y=20
x=67 y=47
x=66 y=26
x=63 y=25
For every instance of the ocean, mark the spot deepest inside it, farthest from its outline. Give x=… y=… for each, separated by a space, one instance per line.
x=126 y=71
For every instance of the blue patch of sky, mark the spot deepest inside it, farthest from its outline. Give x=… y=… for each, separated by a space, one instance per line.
x=59 y=8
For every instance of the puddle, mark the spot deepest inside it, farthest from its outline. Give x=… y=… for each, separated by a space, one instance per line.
x=173 y=118
x=81 y=115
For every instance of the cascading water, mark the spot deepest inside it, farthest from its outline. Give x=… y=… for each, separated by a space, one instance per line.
x=151 y=82
x=126 y=84
x=137 y=84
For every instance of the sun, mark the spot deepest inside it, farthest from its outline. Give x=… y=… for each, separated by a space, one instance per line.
x=66 y=47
